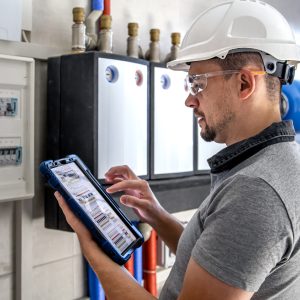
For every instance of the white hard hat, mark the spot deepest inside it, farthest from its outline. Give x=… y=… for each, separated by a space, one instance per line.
x=239 y=26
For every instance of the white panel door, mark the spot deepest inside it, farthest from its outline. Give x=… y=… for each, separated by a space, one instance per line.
x=122 y=119
x=173 y=123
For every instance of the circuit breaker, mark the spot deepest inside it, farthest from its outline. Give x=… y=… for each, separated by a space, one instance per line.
x=16 y=128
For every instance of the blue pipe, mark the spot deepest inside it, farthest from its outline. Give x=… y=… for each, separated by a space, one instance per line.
x=138 y=265
x=96 y=290
x=138 y=261
x=97 y=5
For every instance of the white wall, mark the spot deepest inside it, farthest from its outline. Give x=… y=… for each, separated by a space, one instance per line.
x=57 y=263
x=52 y=19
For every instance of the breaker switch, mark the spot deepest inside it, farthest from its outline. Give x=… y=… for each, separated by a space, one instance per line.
x=10 y=156
x=8 y=106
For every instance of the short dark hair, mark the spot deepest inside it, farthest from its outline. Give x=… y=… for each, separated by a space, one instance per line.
x=236 y=61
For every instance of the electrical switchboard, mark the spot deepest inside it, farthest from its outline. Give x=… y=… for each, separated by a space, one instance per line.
x=16 y=128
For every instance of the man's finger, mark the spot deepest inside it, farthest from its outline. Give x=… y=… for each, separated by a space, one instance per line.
x=120 y=171
x=112 y=180
x=62 y=203
x=124 y=185
x=134 y=202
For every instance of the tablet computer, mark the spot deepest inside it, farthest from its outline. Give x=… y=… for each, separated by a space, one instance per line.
x=90 y=202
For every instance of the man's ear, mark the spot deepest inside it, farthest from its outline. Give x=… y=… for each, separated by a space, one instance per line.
x=246 y=84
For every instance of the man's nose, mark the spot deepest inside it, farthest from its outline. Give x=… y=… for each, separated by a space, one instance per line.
x=192 y=101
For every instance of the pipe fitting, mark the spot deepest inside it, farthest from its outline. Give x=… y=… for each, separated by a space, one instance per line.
x=78 y=30
x=175 y=38
x=153 y=53
x=133 y=29
x=154 y=35
x=132 y=41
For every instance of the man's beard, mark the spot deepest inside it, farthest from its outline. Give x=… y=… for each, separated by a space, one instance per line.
x=209 y=134
x=220 y=127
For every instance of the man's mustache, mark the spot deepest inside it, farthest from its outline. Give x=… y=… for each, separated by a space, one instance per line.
x=198 y=114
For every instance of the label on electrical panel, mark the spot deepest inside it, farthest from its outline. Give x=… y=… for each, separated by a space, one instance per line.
x=9 y=101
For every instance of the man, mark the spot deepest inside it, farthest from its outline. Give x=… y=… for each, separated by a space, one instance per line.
x=243 y=242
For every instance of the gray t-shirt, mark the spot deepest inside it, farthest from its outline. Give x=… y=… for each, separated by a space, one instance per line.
x=246 y=232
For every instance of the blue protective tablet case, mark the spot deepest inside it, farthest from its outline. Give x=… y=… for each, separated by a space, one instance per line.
x=101 y=240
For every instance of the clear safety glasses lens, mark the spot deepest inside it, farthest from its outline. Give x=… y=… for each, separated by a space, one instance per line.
x=196 y=85
x=198 y=82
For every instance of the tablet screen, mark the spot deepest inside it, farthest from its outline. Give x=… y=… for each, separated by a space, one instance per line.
x=93 y=203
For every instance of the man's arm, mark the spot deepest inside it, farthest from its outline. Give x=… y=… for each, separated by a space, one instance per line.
x=118 y=284
x=116 y=281
x=169 y=229
x=199 y=284
x=139 y=196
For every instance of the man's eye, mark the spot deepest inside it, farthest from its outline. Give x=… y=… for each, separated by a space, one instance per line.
x=198 y=86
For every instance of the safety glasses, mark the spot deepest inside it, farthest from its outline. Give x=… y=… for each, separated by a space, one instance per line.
x=198 y=82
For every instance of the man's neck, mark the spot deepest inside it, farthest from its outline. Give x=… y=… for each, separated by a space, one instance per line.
x=244 y=130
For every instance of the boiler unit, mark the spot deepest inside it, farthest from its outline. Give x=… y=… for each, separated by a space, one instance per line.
x=172 y=147
x=98 y=109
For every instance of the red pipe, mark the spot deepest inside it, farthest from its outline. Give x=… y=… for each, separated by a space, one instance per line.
x=129 y=265
x=106 y=7
x=149 y=264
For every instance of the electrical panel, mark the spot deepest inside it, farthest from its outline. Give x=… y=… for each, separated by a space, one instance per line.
x=98 y=109
x=122 y=115
x=172 y=137
x=16 y=128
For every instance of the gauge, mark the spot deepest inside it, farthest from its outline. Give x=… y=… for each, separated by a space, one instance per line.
x=139 y=78
x=165 y=81
x=111 y=74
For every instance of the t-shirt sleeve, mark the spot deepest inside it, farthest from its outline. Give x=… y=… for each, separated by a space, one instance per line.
x=246 y=233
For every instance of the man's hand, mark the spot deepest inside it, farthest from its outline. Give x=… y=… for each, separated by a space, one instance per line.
x=138 y=194
x=72 y=220
x=82 y=232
